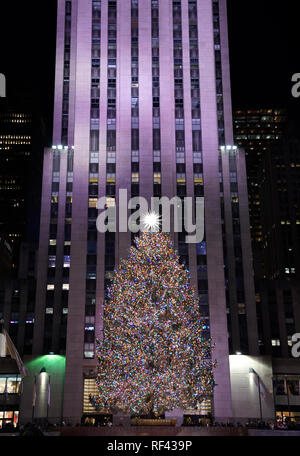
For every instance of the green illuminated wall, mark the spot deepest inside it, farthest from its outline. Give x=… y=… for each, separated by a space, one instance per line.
x=54 y=367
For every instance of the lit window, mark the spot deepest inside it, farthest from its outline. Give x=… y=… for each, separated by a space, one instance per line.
x=66 y=286
x=276 y=342
x=93 y=202
x=197 y=157
x=180 y=157
x=110 y=202
x=156 y=155
x=50 y=287
x=135 y=156
x=89 y=328
x=135 y=178
x=49 y=310
x=52 y=261
x=198 y=179
x=157 y=178
x=181 y=179
x=89 y=350
x=90 y=389
x=67 y=261
x=111 y=178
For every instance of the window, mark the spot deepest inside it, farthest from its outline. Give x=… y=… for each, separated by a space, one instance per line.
x=10 y=384
x=157 y=178
x=135 y=178
x=93 y=202
x=9 y=417
x=2 y=385
x=156 y=155
x=52 y=261
x=276 y=343
x=89 y=350
x=90 y=388
x=198 y=179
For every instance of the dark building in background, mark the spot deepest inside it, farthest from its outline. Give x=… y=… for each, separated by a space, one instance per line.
x=280 y=198
x=280 y=194
x=12 y=370
x=21 y=145
x=17 y=300
x=256 y=130
x=273 y=172
x=15 y=158
x=21 y=158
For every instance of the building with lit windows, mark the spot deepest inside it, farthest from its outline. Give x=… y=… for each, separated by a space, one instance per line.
x=17 y=299
x=273 y=171
x=142 y=103
x=256 y=130
x=15 y=161
x=280 y=194
x=12 y=371
x=21 y=156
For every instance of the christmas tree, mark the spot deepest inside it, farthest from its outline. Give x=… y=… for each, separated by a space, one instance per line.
x=153 y=356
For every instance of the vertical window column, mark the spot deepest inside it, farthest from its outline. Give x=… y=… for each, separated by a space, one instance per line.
x=179 y=120
x=66 y=81
x=218 y=63
x=91 y=268
x=156 y=99
x=135 y=139
x=49 y=309
x=110 y=238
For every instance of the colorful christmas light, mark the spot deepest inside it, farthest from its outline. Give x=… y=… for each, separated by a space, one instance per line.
x=153 y=356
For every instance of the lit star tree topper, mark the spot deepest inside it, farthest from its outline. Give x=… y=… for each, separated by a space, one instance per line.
x=154 y=355
x=151 y=222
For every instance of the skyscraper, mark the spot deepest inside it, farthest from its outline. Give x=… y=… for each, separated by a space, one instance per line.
x=21 y=157
x=15 y=164
x=281 y=223
x=256 y=130
x=142 y=103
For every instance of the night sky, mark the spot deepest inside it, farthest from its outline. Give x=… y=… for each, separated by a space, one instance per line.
x=263 y=48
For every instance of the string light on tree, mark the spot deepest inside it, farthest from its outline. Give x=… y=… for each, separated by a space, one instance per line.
x=154 y=355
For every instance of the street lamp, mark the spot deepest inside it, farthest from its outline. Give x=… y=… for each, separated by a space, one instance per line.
x=252 y=371
x=41 y=391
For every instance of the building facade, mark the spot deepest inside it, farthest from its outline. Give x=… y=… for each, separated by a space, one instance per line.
x=21 y=151
x=15 y=162
x=280 y=292
x=257 y=130
x=17 y=299
x=277 y=174
x=142 y=103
